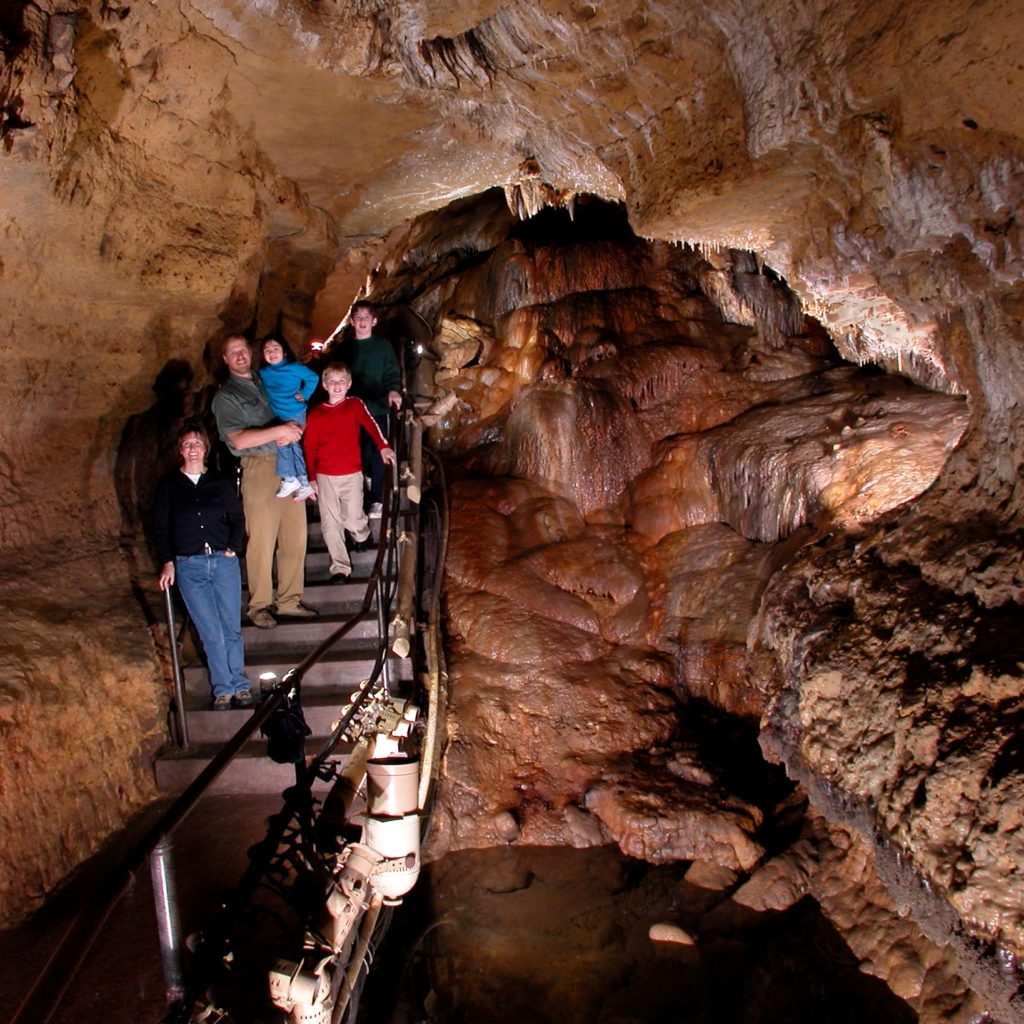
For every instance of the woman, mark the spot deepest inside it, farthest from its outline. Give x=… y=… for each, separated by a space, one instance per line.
x=199 y=528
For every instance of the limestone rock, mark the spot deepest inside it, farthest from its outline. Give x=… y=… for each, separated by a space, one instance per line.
x=670 y=933
x=845 y=456
x=781 y=881
x=708 y=875
x=82 y=704
x=655 y=817
x=848 y=886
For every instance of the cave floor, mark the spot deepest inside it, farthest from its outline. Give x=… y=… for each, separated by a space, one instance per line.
x=560 y=936
x=539 y=934
x=121 y=981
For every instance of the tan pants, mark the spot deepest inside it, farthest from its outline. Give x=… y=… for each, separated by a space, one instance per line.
x=341 y=508
x=270 y=523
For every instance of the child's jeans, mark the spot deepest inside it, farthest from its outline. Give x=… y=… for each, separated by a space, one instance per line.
x=290 y=460
x=292 y=463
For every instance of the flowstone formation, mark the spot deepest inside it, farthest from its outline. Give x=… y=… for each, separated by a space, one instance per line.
x=631 y=472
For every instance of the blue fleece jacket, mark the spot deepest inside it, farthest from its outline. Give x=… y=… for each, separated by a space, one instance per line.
x=282 y=382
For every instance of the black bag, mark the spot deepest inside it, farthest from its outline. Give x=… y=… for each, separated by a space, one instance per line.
x=286 y=730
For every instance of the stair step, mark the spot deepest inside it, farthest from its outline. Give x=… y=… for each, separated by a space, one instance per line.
x=302 y=635
x=318 y=562
x=320 y=709
x=347 y=666
x=251 y=771
x=315 y=533
x=336 y=598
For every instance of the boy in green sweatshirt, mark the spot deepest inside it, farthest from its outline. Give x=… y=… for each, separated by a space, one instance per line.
x=376 y=379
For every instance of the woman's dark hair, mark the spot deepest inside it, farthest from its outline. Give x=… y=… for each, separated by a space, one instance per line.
x=289 y=355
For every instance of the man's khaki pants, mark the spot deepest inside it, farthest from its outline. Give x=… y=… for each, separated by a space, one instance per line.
x=272 y=522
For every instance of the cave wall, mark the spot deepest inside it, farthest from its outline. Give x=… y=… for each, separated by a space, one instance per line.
x=631 y=469
x=167 y=170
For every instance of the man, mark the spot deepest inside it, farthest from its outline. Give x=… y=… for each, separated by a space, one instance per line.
x=376 y=379
x=246 y=425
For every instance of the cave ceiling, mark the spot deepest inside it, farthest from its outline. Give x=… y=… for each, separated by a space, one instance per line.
x=168 y=169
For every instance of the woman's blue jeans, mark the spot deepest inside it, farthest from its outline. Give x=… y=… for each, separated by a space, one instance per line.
x=212 y=588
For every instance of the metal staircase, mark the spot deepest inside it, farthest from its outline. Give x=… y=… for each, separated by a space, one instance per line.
x=326 y=688
x=369 y=675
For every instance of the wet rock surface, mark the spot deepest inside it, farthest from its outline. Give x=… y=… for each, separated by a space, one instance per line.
x=574 y=935
x=563 y=580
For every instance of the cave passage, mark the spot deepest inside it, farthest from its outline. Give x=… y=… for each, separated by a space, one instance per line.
x=723 y=313
x=639 y=436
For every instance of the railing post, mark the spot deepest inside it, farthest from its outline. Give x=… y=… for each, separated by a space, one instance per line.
x=402 y=624
x=414 y=485
x=179 y=690
x=165 y=899
x=382 y=631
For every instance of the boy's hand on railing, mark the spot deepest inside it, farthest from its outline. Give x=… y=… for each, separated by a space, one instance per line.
x=388 y=455
x=166 y=577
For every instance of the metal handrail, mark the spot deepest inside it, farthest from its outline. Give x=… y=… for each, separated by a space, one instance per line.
x=298 y=797
x=67 y=957
x=180 y=712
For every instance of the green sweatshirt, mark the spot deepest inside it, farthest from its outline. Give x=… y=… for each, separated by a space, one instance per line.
x=375 y=371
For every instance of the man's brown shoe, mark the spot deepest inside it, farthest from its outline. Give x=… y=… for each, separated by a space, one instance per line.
x=262 y=618
x=298 y=611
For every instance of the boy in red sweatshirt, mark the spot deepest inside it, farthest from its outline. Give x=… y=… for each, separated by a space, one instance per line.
x=335 y=466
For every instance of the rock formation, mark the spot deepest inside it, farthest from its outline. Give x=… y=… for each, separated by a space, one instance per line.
x=749 y=442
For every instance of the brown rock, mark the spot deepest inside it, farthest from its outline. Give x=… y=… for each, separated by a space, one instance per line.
x=654 y=816
x=708 y=875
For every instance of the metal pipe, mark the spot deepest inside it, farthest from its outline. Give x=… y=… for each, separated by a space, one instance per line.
x=382 y=632
x=414 y=488
x=435 y=680
x=339 y=802
x=180 y=715
x=355 y=965
x=168 y=923
x=430 y=740
x=403 y=621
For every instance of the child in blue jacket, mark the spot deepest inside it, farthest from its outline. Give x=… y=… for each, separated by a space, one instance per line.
x=289 y=386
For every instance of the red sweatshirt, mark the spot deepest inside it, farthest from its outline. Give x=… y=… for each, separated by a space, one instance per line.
x=331 y=439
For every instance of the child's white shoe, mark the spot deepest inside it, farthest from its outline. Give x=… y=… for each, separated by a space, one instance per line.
x=304 y=492
x=288 y=486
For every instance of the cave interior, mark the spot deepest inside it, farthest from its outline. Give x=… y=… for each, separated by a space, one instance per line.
x=722 y=315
